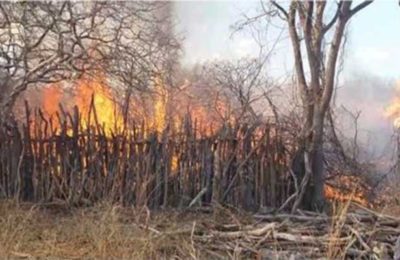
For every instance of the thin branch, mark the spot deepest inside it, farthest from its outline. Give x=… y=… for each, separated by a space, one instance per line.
x=281 y=9
x=360 y=6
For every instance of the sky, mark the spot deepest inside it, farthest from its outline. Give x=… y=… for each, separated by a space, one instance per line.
x=373 y=43
x=371 y=63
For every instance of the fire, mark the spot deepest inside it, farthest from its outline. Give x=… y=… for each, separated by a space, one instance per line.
x=206 y=109
x=393 y=110
x=97 y=106
x=160 y=105
x=349 y=191
x=95 y=102
x=51 y=99
x=106 y=111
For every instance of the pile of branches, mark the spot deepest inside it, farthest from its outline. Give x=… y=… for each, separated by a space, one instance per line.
x=361 y=234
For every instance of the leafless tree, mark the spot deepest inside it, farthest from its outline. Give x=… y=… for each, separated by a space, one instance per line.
x=44 y=42
x=316 y=37
x=239 y=80
x=315 y=72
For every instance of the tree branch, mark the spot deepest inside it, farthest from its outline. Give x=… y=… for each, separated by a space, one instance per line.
x=333 y=55
x=360 y=6
x=334 y=18
x=281 y=9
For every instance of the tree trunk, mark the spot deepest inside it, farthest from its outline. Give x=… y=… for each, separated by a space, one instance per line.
x=317 y=159
x=318 y=180
x=313 y=197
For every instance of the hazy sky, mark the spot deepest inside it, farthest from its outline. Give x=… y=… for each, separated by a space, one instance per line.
x=373 y=45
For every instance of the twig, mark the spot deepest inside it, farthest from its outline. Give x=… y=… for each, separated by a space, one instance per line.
x=198 y=197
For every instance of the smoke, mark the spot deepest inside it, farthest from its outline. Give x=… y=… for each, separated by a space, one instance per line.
x=368 y=95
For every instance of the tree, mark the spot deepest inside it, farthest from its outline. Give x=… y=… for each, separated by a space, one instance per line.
x=44 y=42
x=239 y=80
x=316 y=46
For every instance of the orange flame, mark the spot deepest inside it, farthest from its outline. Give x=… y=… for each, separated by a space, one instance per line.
x=87 y=90
x=51 y=99
x=167 y=105
x=160 y=105
x=393 y=110
x=350 y=191
x=106 y=111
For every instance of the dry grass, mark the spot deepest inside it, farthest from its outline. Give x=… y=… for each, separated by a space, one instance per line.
x=335 y=249
x=103 y=231
x=107 y=231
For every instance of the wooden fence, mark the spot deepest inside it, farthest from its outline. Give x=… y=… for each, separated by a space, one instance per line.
x=44 y=159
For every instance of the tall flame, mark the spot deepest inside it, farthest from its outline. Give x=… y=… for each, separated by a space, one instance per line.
x=167 y=105
x=160 y=105
x=106 y=111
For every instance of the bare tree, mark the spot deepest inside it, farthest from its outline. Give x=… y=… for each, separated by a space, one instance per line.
x=44 y=42
x=240 y=81
x=315 y=72
x=316 y=41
